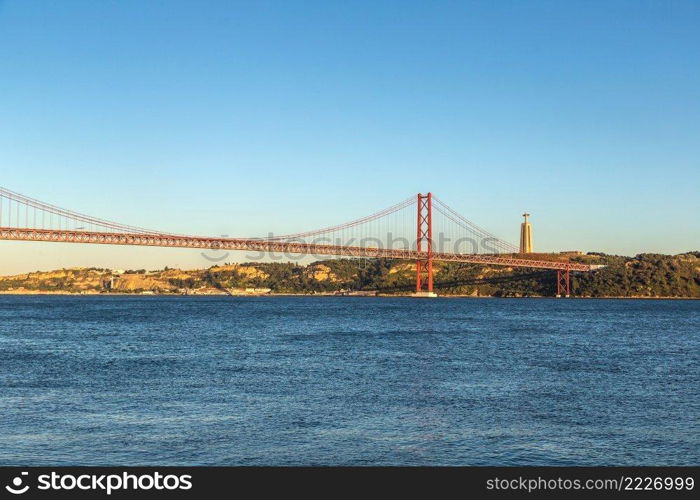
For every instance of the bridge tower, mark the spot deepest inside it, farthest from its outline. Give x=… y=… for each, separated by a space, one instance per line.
x=424 y=235
x=564 y=282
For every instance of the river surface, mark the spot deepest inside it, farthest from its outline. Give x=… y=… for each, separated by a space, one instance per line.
x=348 y=381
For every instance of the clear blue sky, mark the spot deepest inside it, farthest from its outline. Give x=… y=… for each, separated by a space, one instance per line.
x=241 y=118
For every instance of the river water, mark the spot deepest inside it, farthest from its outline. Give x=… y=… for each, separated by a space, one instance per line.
x=348 y=381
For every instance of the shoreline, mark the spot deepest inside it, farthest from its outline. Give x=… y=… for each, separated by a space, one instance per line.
x=77 y=294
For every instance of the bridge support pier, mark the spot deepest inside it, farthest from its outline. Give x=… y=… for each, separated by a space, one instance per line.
x=563 y=283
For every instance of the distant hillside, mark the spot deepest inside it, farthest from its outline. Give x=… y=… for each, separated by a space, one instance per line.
x=645 y=275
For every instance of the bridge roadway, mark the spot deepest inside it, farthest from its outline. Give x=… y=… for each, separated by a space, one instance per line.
x=272 y=246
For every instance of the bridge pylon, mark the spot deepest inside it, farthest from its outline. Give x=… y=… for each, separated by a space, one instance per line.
x=563 y=282
x=424 y=239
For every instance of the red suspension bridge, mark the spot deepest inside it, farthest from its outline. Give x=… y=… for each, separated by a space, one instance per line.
x=421 y=228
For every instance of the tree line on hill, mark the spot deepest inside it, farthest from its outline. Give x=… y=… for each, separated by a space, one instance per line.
x=644 y=275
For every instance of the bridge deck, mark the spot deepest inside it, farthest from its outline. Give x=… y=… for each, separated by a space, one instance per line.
x=262 y=245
